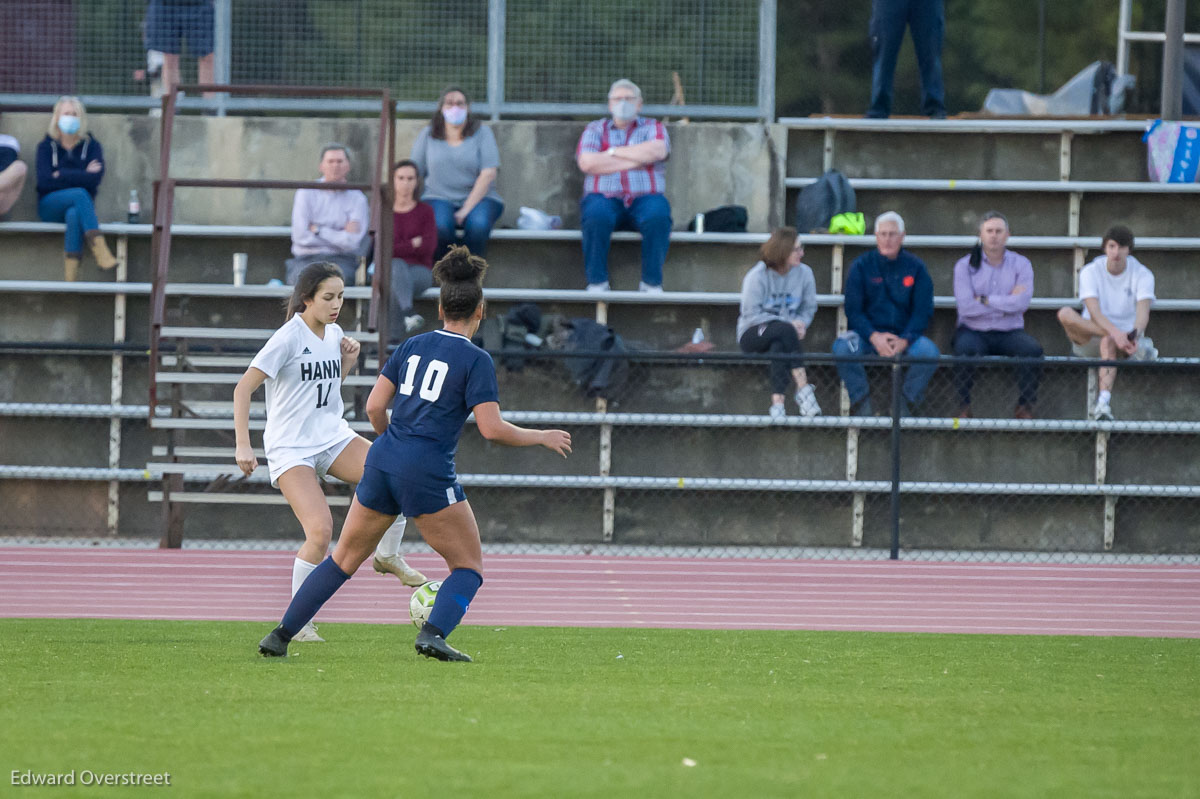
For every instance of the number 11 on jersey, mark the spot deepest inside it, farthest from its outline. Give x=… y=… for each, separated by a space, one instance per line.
x=431 y=384
x=323 y=400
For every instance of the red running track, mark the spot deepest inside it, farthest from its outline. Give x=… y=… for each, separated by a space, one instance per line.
x=599 y=591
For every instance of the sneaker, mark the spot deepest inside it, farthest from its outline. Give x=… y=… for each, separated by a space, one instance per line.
x=414 y=322
x=308 y=635
x=964 y=412
x=1102 y=412
x=432 y=645
x=1023 y=412
x=598 y=286
x=777 y=411
x=862 y=408
x=647 y=288
x=806 y=398
x=396 y=565
x=274 y=645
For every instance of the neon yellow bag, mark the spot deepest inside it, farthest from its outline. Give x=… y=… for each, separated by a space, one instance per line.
x=852 y=223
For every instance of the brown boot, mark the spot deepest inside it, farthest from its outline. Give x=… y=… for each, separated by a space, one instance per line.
x=1023 y=412
x=70 y=268
x=104 y=257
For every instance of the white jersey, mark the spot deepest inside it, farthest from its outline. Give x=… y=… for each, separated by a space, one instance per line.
x=1118 y=294
x=304 y=389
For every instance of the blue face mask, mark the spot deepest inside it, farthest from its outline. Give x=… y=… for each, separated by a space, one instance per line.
x=68 y=124
x=454 y=114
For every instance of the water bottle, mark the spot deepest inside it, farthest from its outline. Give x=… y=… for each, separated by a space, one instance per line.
x=135 y=208
x=699 y=222
x=698 y=336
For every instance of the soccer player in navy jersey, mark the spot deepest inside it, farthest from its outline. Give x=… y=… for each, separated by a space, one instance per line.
x=432 y=383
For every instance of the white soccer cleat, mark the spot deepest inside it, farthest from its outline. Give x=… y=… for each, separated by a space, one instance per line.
x=396 y=565
x=806 y=398
x=308 y=635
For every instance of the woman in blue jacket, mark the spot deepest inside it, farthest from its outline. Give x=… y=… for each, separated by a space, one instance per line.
x=70 y=166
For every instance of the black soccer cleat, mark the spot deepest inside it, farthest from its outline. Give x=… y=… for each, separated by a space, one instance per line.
x=432 y=645
x=275 y=645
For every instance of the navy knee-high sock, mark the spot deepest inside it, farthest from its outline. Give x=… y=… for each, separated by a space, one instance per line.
x=453 y=599
x=322 y=583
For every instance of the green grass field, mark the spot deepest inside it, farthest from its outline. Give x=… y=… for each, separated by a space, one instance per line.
x=553 y=712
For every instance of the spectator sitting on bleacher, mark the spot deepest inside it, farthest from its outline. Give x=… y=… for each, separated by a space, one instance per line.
x=992 y=289
x=70 y=166
x=329 y=225
x=779 y=299
x=458 y=159
x=12 y=172
x=623 y=159
x=889 y=304
x=1117 y=292
x=414 y=238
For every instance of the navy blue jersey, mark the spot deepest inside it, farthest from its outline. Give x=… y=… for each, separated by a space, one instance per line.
x=439 y=378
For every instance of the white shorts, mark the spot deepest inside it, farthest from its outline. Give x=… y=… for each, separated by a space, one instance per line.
x=1144 y=352
x=287 y=457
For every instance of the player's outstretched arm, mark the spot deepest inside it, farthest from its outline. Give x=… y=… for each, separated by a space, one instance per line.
x=244 y=454
x=494 y=428
x=378 y=403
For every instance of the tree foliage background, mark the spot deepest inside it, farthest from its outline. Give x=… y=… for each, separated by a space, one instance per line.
x=824 y=56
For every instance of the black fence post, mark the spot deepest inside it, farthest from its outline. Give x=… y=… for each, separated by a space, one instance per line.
x=897 y=399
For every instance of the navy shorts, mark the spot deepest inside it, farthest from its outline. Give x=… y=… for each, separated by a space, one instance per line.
x=401 y=495
x=169 y=23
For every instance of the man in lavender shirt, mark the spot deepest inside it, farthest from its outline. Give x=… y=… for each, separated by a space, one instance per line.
x=992 y=289
x=329 y=225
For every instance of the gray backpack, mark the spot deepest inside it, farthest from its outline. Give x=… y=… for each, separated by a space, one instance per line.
x=821 y=201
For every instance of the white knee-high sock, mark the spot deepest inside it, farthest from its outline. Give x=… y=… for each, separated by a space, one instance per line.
x=389 y=545
x=300 y=570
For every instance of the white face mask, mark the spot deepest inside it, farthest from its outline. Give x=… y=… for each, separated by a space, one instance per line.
x=454 y=114
x=624 y=110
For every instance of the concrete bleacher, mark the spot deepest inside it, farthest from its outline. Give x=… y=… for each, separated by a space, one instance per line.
x=836 y=470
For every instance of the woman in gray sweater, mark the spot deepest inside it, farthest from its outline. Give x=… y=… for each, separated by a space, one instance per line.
x=779 y=299
x=458 y=160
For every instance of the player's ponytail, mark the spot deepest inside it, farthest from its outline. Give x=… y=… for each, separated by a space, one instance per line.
x=460 y=275
x=308 y=282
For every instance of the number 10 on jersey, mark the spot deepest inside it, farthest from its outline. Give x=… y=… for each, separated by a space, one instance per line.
x=431 y=383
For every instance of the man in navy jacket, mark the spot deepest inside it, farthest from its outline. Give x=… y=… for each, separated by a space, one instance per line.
x=888 y=303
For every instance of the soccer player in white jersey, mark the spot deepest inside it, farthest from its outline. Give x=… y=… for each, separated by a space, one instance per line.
x=303 y=365
x=431 y=383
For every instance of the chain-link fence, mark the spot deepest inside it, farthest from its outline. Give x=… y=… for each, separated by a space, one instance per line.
x=717 y=59
x=680 y=453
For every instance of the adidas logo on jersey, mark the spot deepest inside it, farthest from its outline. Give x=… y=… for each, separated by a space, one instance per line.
x=307 y=351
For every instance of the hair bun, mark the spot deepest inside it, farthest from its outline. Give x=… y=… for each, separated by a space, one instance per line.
x=459 y=265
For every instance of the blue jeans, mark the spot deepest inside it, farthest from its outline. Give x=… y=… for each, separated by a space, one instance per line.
x=649 y=214
x=1010 y=343
x=477 y=227
x=927 y=21
x=73 y=206
x=916 y=376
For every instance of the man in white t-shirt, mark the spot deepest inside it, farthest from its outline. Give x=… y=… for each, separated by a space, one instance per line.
x=1117 y=292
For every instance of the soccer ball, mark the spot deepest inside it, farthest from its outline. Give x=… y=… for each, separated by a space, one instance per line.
x=422 y=602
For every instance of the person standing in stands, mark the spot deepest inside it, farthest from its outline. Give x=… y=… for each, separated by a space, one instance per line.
x=70 y=166
x=624 y=163
x=927 y=21
x=1117 y=291
x=992 y=289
